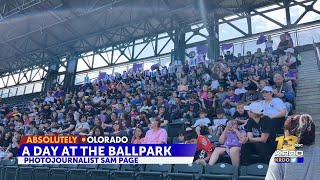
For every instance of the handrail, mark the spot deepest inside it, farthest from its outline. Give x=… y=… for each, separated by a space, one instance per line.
x=8 y=93
x=317 y=51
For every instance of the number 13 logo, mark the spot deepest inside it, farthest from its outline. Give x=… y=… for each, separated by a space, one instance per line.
x=286 y=142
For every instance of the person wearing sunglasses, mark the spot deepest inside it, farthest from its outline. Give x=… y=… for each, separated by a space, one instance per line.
x=303 y=127
x=284 y=91
x=163 y=115
x=117 y=129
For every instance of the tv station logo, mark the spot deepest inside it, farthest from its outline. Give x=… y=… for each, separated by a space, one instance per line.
x=288 y=150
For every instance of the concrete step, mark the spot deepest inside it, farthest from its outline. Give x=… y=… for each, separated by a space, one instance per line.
x=303 y=84
x=309 y=75
x=316 y=118
x=315 y=115
x=306 y=94
x=307 y=91
x=308 y=98
x=317 y=143
x=312 y=65
x=309 y=67
x=307 y=72
x=310 y=80
x=307 y=64
x=313 y=70
x=309 y=110
x=307 y=85
x=301 y=91
x=302 y=72
x=308 y=102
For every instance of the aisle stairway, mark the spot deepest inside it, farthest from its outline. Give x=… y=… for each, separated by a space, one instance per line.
x=308 y=97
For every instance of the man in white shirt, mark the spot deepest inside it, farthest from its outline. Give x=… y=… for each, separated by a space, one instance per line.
x=240 y=90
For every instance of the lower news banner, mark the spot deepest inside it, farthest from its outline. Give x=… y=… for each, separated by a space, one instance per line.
x=106 y=153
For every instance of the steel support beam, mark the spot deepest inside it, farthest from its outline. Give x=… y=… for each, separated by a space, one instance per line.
x=179 y=47
x=287 y=7
x=70 y=74
x=213 y=38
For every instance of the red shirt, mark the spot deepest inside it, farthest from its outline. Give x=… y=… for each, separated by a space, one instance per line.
x=204 y=148
x=26 y=122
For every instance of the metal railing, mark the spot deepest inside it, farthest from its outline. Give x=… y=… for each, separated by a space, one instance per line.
x=317 y=51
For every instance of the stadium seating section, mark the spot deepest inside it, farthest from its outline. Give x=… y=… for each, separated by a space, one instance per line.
x=9 y=170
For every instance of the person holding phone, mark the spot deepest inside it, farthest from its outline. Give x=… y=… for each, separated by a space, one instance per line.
x=230 y=138
x=260 y=139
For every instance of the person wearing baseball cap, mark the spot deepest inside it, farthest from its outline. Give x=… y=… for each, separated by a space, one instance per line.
x=260 y=138
x=251 y=95
x=274 y=108
x=290 y=60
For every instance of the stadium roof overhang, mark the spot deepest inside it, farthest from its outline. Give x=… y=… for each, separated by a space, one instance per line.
x=34 y=32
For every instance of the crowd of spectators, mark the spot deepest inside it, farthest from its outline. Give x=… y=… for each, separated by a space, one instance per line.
x=242 y=99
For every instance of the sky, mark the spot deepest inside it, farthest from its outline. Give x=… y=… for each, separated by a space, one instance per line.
x=260 y=24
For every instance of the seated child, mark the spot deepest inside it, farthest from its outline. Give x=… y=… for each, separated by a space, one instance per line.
x=202 y=124
x=241 y=116
x=181 y=138
x=138 y=136
x=204 y=147
x=231 y=145
x=218 y=124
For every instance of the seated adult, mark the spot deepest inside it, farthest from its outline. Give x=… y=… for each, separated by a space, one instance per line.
x=183 y=88
x=96 y=100
x=163 y=116
x=82 y=124
x=204 y=146
x=289 y=60
x=193 y=108
x=176 y=110
x=69 y=125
x=13 y=148
x=284 y=44
x=251 y=95
x=49 y=97
x=288 y=75
x=156 y=134
x=303 y=127
x=273 y=108
x=117 y=129
x=260 y=138
x=59 y=92
x=5 y=140
x=284 y=91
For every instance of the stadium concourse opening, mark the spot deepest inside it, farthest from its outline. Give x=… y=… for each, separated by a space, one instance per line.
x=232 y=77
